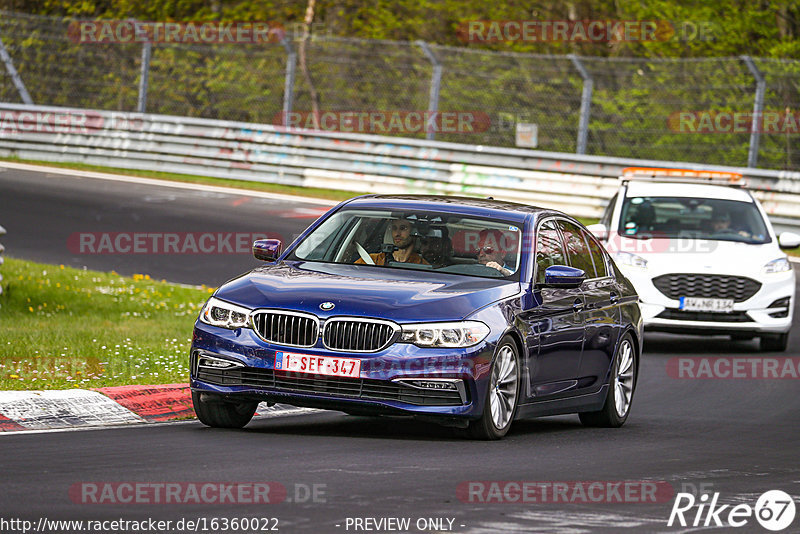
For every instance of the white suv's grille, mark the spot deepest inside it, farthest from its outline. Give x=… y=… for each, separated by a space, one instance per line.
x=717 y=286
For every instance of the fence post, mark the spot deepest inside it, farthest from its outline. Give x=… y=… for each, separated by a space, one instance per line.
x=23 y=93
x=586 y=104
x=758 y=111
x=436 y=84
x=288 y=86
x=147 y=52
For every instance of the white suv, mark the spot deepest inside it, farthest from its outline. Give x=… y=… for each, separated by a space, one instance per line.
x=703 y=257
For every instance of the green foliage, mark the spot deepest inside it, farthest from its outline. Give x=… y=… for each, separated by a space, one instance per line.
x=62 y=327
x=638 y=86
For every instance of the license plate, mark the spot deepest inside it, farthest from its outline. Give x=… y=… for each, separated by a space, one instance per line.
x=706 y=305
x=317 y=365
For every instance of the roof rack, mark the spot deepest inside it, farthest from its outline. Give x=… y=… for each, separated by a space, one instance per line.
x=656 y=174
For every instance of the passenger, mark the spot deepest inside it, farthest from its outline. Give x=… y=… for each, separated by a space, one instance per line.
x=490 y=252
x=403 y=238
x=437 y=249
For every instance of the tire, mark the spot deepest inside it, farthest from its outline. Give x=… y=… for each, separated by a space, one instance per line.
x=621 y=388
x=502 y=394
x=218 y=413
x=774 y=342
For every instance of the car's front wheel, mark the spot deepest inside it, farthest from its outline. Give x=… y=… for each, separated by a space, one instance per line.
x=774 y=342
x=213 y=411
x=502 y=397
x=620 y=389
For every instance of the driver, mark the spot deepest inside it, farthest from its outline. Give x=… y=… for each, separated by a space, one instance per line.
x=403 y=239
x=490 y=252
x=720 y=222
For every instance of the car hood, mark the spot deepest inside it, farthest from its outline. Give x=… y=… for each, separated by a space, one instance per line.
x=704 y=256
x=365 y=291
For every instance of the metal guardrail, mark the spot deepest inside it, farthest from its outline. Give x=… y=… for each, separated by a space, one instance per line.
x=578 y=184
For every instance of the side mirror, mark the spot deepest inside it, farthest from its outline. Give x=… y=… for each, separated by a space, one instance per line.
x=599 y=230
x=788 y=240
x=267 y=249
x=563 y=277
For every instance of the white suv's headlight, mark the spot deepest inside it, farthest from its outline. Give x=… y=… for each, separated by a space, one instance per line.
x=781 y=265
x=633 y=260
x=220 y=313
x=444 y=335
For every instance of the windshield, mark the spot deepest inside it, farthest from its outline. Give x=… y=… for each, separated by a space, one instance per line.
x=692 y=218
x=416 y=240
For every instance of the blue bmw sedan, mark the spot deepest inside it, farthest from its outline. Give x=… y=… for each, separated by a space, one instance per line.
x=469 y=312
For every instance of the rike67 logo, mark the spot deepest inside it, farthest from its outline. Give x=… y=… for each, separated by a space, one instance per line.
x=774 y=510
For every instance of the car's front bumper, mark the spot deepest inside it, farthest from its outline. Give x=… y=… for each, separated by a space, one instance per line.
x=756 y=315
x=377 y=390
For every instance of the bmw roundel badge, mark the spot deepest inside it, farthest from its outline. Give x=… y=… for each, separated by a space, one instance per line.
x=325 y=306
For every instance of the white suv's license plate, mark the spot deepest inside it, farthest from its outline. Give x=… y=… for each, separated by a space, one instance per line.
x=706 y=305
x=317 y=365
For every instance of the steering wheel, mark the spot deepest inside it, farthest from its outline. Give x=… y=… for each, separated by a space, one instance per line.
x=364 y=254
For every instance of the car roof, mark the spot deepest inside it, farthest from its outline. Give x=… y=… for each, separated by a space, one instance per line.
x=482 y=207
x=682 y=189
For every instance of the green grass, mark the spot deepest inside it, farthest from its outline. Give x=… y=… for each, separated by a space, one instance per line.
x=328 y=194
x=63 y=328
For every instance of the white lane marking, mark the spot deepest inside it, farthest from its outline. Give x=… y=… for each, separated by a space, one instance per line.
x=280 y=410
x=63 y=408
x=165 y=183
x=263 y=412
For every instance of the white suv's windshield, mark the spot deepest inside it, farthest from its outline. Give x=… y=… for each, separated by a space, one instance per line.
x=692 y=218
x=416 y=240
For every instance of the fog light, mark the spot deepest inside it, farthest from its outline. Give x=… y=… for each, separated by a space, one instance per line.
x=436 y=384
x=210 y=362
x=427 y=384
x=782 y=306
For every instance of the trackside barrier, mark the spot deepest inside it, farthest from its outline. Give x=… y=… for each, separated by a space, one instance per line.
x=578 y=184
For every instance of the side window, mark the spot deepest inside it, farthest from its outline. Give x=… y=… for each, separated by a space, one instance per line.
x=549 y=249
x=578 y=251
x=606 y=218
x=597 y=255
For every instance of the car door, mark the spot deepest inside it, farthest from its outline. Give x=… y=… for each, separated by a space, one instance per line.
x=555 y=323
x=601 y=312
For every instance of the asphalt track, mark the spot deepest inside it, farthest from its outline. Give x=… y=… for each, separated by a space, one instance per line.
x=738 y=437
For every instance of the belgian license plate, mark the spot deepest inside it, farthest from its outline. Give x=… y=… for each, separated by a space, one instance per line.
x=317 y=365
x=706 y=305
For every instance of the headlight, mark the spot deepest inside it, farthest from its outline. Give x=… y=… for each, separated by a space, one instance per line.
x=220 y=313
x=462 y=334
x=633 y=260
x=781 y=265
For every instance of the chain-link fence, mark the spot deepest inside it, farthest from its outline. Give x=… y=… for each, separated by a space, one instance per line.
x=662 y=109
